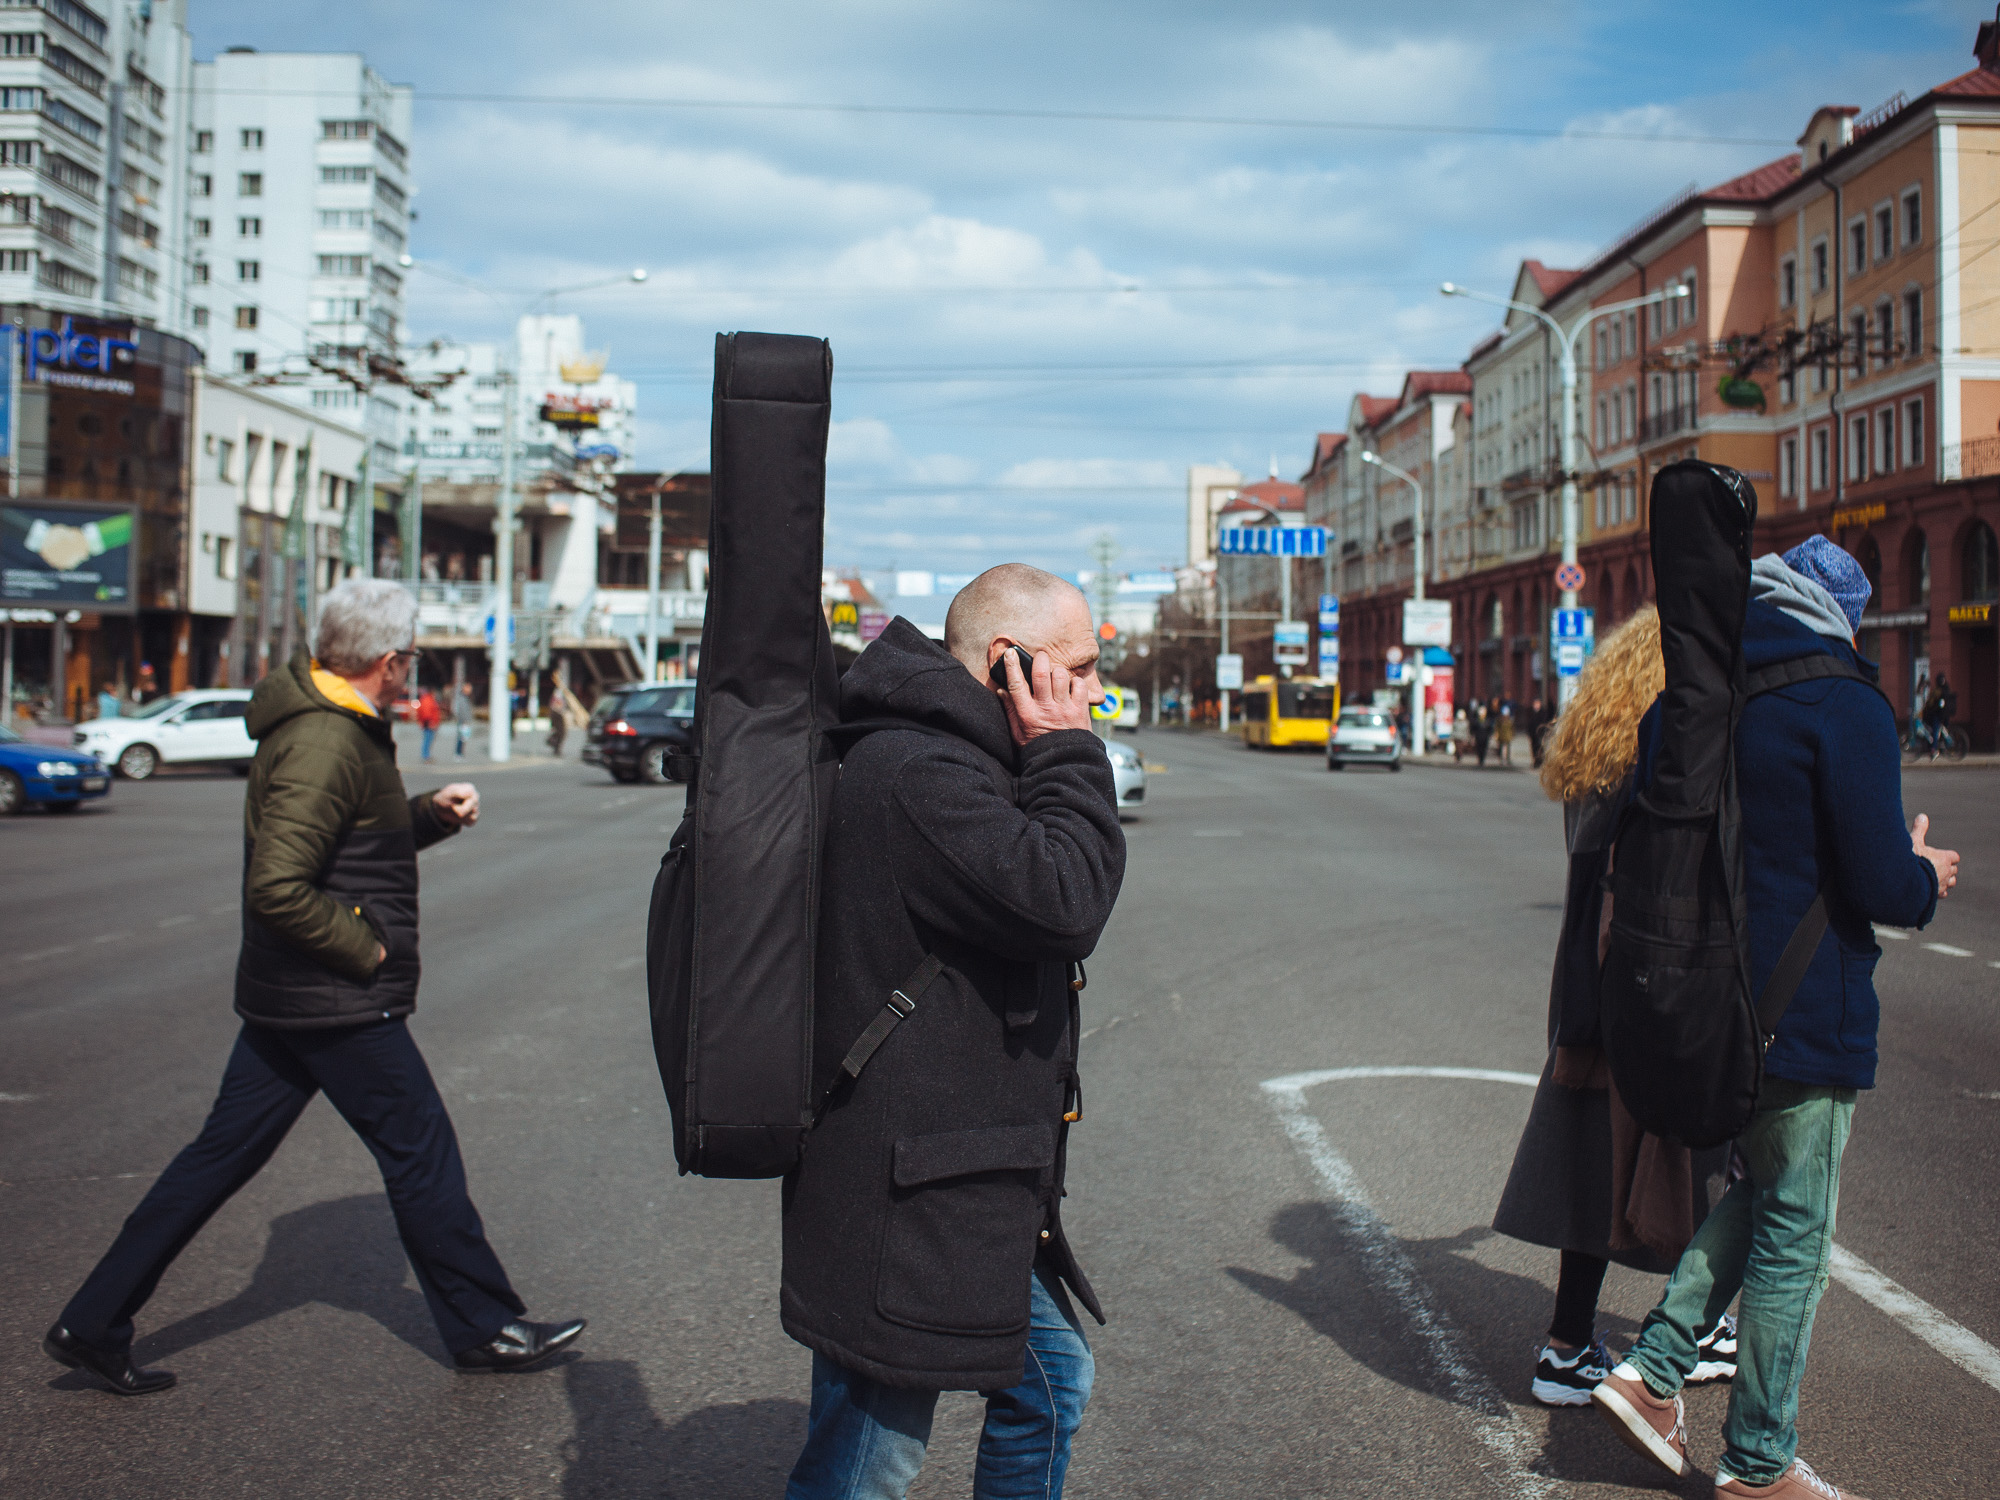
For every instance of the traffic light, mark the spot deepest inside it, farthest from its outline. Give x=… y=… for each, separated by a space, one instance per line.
x=1110 y=648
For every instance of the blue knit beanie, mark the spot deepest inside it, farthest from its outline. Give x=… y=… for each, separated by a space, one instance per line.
x=1830 y=566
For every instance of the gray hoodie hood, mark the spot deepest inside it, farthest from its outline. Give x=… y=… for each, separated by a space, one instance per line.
x=1794 y=594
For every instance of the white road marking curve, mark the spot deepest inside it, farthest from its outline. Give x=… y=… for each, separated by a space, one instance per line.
x=1506 y=1436
x=1494 y=1422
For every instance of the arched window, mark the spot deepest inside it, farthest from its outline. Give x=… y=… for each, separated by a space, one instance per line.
x=1982 y=564
x=1917 y=569
x=1869 y=555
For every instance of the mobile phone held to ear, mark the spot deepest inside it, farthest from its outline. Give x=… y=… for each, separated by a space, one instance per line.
x=1027 y=667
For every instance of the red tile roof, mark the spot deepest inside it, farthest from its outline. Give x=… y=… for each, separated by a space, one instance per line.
x=1375 y=408
x=1760 y=182
x=1980 y=83
x=1435 y=382
x=1278 y=494
x=1324 y=447
x=1548 y=281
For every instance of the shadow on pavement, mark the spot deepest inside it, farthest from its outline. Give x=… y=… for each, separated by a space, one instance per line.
x=733 y=1451
x=343 y=1253
x=1500 y=1318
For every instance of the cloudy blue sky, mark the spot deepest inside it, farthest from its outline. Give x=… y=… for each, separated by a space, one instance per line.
x=1038 y=323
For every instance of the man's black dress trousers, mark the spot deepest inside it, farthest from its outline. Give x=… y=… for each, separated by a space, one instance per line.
x=375 y=1076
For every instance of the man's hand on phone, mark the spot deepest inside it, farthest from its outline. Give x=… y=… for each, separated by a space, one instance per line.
x=1054 y=699
x=456 y=805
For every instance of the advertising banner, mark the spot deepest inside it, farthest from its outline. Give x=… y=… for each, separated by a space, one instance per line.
x=1228 y=671
x=54 y=554
x=1426 y=622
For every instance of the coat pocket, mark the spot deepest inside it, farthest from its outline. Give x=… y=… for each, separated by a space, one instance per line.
x=1860 y=1007
x=959 y=1244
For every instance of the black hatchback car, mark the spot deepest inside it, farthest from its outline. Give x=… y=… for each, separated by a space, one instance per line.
x=636 y=726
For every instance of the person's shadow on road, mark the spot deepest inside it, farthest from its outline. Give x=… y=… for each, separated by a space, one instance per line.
x=731 y=1451
x=343 y=1253
x=1499 y=1318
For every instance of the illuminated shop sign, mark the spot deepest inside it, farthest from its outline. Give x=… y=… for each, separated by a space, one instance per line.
x=85 y=361
x=573 y=411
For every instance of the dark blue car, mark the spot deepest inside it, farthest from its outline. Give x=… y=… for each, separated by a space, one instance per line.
x=61 y=780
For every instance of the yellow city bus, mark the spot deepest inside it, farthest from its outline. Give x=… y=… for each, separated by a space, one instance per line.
x=1278 y=714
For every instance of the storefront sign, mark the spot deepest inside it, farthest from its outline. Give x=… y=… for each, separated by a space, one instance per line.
x=1972 y=614
x=90 y=362
x=1858 y=515
x=67 y=554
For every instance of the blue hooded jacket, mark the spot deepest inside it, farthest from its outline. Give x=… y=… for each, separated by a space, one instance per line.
x=1819 y=775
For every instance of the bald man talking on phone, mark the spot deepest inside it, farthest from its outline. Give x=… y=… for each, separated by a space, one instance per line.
x=973 y=858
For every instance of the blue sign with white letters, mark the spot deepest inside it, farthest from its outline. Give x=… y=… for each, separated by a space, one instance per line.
x=1329 y=612
x=98 y=362
x=1272 y=541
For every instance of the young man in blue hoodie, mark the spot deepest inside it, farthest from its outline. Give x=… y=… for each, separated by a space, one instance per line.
x=1819 y=775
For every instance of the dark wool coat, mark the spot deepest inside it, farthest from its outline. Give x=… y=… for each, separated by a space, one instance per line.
x=934 y=1182
x=329 y=862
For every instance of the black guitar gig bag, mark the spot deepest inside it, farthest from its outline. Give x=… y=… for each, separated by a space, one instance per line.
x=730 y=938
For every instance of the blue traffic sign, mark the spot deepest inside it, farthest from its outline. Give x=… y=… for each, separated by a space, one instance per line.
x=1272 y=541
x=1573 y=624
x=1329 y=612
x=510 y=630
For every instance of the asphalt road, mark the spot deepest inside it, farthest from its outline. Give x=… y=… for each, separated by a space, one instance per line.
x=1305 y=1298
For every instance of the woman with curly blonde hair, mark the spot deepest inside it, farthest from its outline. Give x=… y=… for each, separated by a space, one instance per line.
x=1585 y=1182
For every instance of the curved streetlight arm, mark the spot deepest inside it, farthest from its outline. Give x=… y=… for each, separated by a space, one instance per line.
x=1566 y=342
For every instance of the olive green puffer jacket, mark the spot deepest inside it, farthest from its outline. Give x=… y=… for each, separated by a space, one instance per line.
x=329 y=862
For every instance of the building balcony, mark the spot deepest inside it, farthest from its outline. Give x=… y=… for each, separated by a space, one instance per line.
x=1976 y=459
x=1666 y=423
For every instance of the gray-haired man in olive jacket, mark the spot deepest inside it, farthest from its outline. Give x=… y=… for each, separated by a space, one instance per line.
x=327 y=974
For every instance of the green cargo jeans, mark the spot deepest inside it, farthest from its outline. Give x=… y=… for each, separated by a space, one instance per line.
x=1770 y=1238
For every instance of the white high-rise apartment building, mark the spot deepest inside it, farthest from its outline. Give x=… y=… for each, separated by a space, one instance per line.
x=299 y=211
x=92 y=140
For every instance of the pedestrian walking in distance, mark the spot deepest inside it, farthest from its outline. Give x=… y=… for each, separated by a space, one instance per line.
x=429 y=716
x=1821 y=792
x=558 y=725
x=325 y=982
x=972 y=859
x=461 y=714
x=1586 y=1182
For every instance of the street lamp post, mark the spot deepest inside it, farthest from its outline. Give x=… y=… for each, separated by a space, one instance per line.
x=500 y=664
x=653 y=589
x=1566 y=342
x=1417 y=574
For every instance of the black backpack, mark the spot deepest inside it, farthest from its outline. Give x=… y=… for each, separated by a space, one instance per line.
x=731 y=935
x=1683 y=1034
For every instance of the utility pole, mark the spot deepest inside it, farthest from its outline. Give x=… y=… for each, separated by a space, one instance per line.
x=1414 y=669
x=653 y=589
x=500 y=696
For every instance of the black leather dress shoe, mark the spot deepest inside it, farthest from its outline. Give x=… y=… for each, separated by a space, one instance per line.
x=520 y=1345
x=115 y=1370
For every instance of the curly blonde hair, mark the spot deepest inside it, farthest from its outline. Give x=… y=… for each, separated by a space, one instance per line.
x=1596 y=741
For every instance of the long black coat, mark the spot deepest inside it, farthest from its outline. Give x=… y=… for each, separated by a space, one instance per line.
x=934 y=1181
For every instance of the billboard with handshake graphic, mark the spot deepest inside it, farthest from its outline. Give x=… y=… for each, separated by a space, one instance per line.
x=67 y=555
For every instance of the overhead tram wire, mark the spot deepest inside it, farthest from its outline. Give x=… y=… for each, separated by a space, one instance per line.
x=1067 y=116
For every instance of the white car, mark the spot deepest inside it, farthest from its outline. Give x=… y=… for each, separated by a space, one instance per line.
x=183 y=728
x=1364 y=735
x=1128 y=775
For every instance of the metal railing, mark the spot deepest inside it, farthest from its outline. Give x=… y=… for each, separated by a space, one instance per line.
x=1976 y=459
x=1661 y=423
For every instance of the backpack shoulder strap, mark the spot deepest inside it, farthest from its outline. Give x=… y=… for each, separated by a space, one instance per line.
x=1791 y=966
x=1810 y=668
x=902 y=1000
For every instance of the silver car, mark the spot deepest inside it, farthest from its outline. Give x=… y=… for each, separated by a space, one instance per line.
x=1128 y=774
x=1364 y=736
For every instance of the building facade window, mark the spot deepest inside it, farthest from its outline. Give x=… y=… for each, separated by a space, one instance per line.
x=200 y=228
x=204 y=142
x=1857 y=247
x=249 y=270
x=249 y=184
x=250 y=229
x=246 y=361
x=1981 y=577
x=250 y=139
x=1857 y=335
x=1819 y=267
x=1885 y=440
x=1788 y=282
x=1913 y=322
x=246 y=317
x=1913 y=433
x=203 y=185
x=1788 y=466
x=1885 y=332
x=1885 y=233
x=1913 y=216
x=200 y=315
x=1821 y=469
x=1857 y=448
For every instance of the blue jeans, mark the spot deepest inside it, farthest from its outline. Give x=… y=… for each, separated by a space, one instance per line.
x=430 y=736
x=866 y=1440
x=1771 y=1237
